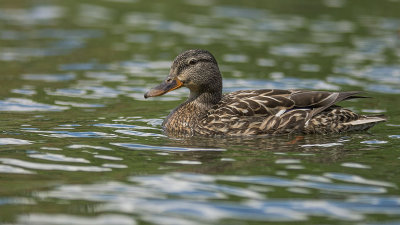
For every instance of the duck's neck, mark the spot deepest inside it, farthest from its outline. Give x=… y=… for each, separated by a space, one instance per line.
x=205 y=99
x=185 y=117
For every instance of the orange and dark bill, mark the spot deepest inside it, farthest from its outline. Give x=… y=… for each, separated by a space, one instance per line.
x=163 y=88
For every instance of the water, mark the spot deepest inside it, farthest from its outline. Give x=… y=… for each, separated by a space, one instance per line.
x=80 y=145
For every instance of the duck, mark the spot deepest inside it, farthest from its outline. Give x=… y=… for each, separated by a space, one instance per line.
x=209 y=112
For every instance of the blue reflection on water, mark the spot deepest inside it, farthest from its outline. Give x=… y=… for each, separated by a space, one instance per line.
x=83 y=66
x=135 y=146
x=71 y=134
x=177 y=195
x=265 y=180
x=120 y=126
x=49 y=77
x=27 y=105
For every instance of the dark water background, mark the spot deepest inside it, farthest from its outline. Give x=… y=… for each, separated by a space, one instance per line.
x=80 y=145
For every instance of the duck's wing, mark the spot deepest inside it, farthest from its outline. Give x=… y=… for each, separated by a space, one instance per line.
x=268 y=102
x=265 y=102
x=269 y=110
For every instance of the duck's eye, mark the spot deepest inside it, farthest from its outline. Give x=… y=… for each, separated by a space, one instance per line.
x=192 y=62
x=169 y=80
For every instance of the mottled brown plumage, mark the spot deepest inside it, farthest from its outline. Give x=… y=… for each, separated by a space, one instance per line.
x=250 y=112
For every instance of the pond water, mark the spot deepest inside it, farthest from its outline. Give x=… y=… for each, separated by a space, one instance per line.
x=80 y=145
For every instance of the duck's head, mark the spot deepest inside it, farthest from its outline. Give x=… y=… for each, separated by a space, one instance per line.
x=195 y=69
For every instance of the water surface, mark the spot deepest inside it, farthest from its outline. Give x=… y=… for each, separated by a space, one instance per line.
x=80 y=145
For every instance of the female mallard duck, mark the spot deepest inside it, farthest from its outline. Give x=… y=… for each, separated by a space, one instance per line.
x=251 y=112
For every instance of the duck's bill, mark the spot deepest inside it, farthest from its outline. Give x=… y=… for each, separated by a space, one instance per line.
x=163 y=88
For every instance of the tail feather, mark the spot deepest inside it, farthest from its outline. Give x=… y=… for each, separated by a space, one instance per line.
x=365 y=122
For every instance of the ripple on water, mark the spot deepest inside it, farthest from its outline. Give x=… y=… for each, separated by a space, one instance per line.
x=76 y=146
x=79 y=105
x=47 y=219
x=23 y=91
x=309 y=68
x=15 y=201
x=143 y=67
x=295 y=50
x=357 y=179
x=314 y=178
x=106 y=76
x=69 y=125
x=388 y=74
x=356 y=165
x=384 y=88
x=99 y=92
x=51 y=148
x=374 y=142
x=34 y=15
x=287 y=161
x=12 y=169
x=27 y=105
x=280 y=182
x=14 y=141
x=330 y=26
x=71 y=134
x=185 y=162
x=68 y=92
x=325 y=37
x=266 y=62
x=373 y=110
x=237 y=58
x=138 y=133
x=108 y=157
x=326 y=145
x=45 y=166
x=23 y=53
x=58 y=33
x=135 y=146
x=121 y=126
x=89 y=92
x=126 y=129
x=151 y=122
x=344 y=81
x=179 y=195
x=169 y=219
x=232 y=12
x=114 y=165
x=49 y=77
x=58 y=157
x=83 y=66
x=387 y=77
x=91 y=14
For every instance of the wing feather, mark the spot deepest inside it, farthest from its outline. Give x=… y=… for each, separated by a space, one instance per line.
x=269 y=111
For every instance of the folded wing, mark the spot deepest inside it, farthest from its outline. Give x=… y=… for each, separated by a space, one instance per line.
x=269 y=110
